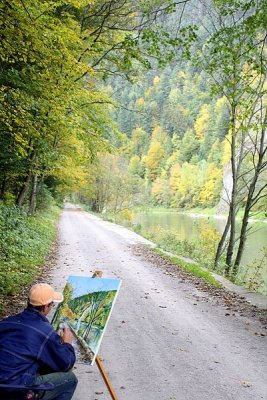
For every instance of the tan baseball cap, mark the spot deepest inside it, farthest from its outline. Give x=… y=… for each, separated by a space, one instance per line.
x=42 y=294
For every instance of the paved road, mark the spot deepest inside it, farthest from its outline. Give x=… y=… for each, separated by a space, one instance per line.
x=160 y=343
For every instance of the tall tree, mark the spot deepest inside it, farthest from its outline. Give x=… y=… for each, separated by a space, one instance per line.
x=234 y=57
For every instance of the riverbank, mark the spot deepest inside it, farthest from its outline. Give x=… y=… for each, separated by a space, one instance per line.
x=234 y=296
x=195 y=235
x=214 y=280
x=197 y=238
x=180 y=254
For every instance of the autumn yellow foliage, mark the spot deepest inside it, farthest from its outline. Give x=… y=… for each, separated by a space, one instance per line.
x=154 y=158
x=202 y=122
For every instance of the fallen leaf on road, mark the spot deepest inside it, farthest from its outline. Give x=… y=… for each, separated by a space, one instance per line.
x=246 y=383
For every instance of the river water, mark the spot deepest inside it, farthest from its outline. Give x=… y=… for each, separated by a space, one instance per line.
x=188 y=226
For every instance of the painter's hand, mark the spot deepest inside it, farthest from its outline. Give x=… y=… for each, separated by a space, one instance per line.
x=67 y=336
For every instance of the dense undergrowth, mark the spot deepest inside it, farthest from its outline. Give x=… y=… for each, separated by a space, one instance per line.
x=202 y=252
x=25 y=242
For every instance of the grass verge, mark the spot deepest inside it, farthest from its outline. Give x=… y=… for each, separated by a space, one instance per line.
x=191 y=268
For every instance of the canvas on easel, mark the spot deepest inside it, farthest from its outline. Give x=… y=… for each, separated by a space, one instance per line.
x=86 y=309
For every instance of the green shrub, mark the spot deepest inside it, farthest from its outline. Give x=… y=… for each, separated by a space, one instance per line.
x=202 y=250
x=254 y=275
x=45 y=199
x=24 y=243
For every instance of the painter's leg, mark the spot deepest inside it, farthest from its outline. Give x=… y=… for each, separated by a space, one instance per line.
x=65 y=384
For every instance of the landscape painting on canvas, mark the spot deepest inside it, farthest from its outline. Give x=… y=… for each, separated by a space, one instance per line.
x=86 y=309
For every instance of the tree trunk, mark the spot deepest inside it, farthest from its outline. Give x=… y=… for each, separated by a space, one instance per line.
x=221 y=243
x=23 y=191
x=242 y=241
x=251 y=199
x=232 y=207
x=236 y=163
x=25 y=185
x=33 y=196
x=231 y=243
x=3 y=187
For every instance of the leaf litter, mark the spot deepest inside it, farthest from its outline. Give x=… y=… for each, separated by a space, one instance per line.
x=232 y=302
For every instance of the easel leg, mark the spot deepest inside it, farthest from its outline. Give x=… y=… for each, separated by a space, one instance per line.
x=106 y=379
x=99 y=274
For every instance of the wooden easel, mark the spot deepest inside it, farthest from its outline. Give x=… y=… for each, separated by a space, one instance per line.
x=99 y=274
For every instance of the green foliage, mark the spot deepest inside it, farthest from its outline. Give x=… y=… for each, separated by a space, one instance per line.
x=202 y=251
x=40 y=102
x=54 y=110
x=136 y=167
x=189 y=147
x=45 y=199
x=234 y=56
x=24 y=244
x=190 y=102
x=254 y=276
x=113 y=188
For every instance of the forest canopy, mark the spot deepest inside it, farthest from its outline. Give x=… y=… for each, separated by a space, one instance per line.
x=124 y=103
x=54 y=109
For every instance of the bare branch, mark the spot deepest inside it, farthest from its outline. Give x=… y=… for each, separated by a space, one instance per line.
x=27 y=11
x=258 y=196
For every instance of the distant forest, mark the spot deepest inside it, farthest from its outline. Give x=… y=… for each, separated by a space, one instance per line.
x=176 y=119
x=175 y=136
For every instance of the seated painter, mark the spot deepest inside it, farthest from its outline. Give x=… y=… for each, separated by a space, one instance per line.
x=32 y=352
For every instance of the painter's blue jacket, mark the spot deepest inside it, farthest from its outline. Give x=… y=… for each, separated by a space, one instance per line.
x=28 y=343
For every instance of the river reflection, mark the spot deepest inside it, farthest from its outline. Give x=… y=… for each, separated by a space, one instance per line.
x=188 y=226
